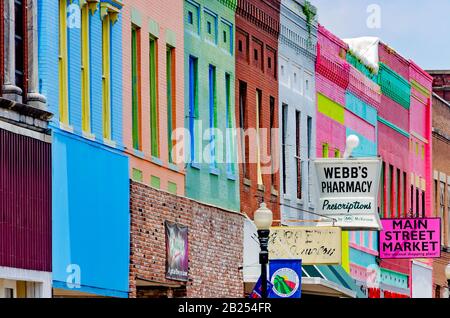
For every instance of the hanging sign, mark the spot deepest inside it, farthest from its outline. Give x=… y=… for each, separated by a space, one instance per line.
x=286 y=278
x=177 y=254
x=410 y=238
x=347 y=191
x=313 y=245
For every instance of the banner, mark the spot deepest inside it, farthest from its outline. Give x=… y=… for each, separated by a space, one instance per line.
x=257 y=290
x=313 y=245
x=177 y=252
x=410 y=238
x=347 y=191
x=286 y=278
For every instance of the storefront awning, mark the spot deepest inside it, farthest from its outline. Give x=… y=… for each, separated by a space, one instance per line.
x=329 y=280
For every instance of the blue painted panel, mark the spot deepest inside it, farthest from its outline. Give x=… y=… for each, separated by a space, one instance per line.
x=360 y=108
x=116 y=82
x=361 y=258
x=48 y=50
x=91 y=220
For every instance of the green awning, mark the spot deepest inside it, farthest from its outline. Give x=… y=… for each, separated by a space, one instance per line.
x=329 y=280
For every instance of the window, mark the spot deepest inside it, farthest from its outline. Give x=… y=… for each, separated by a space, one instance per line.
x=399 y=194
x=208 y=28
x=298 y=153
x=106 y=82
x=337 y=153
x=154 y=103
x=259 y=120
x=212 y=113
x=20 y=23
x=448 y=216
x=63 y=65
x=442 y=207
x=136 y=86
x=255 y=54
x=325 y=148
x=390 y=192
x=171 y=98
x=9 y=293
x=85 y=71
x=240 y=45
x=284 y=130
x=190 y=17
x=404 y=196
x=273 y=141
x=244 y=126
x=269 y=62
x=229 y=125
x=225 y=36
x=423 y=204
x=383 y=190
x=417 y=203
x=309 y=146
x=193 y=105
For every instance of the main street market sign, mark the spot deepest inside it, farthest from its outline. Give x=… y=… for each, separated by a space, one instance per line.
x=410 y=238
x=348 y=192
x=313 y=245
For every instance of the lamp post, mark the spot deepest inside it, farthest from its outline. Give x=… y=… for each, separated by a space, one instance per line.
x=447 y=275
x=351 y=143
x=263 y=220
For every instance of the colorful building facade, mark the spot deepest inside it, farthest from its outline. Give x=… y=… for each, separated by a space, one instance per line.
x=90 y=184
x=25 y=159
x=297 y=114
x=212 y=175
x=441 y=183
x=153 y=91
x=257 y=31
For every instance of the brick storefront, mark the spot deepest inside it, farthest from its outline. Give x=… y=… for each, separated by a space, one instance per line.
x=441 y=187
x=215 y=246
x=256 y=73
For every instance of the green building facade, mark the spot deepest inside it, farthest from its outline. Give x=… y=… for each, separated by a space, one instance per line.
x=211 y=171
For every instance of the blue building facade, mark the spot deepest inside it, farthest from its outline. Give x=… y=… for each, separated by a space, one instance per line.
x=91 y=222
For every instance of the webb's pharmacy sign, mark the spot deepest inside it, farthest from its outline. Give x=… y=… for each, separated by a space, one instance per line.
x=348 y=192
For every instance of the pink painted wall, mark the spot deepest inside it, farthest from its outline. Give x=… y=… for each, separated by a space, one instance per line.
x=359 y=125
x=169 y=16
x=330 y=89
x=331 y=132
x=363 y=87
x=394 y=113
x=394 y=60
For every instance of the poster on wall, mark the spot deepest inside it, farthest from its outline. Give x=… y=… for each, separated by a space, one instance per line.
x=347 y=192
x=177 y=252
x=313 y=245
x=410 y=238
x=286 y=278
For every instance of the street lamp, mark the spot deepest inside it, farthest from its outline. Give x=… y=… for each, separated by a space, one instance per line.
x=447 y=274
x=263 y=220
x=351 y=143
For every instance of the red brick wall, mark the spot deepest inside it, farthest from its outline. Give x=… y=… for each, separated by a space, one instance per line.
x=441 y=83
x=260 y=31
x=215 y=243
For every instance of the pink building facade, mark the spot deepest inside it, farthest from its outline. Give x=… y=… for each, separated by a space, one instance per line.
x=153 y=91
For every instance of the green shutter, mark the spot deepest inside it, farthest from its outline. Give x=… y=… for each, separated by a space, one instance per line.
x=135 y=98
x=154 y=129
x=169 y=100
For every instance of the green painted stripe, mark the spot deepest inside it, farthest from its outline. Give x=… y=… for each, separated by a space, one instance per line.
x=330 y=108
x=421 y=89
x=391 y=125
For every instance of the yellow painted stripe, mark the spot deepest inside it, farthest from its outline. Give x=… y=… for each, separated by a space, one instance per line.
x=345 y=251
x=330 y=108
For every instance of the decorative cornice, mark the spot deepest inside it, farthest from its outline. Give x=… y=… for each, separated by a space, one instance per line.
x=258 y=17
x=107 y=9
x=394 y=127
x=92 y=4
x=231 y=4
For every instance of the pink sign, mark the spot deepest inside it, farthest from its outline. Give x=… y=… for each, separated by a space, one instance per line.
x=410 y=238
